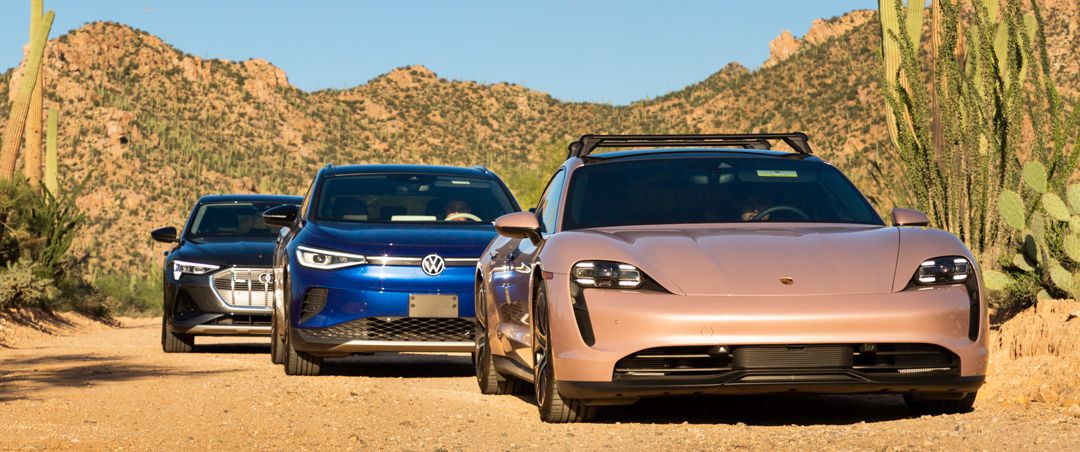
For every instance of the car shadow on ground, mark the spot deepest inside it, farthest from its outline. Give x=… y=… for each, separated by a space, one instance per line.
x=238 y=348
x=21 y=379
x=392 y=365
x=756 y=410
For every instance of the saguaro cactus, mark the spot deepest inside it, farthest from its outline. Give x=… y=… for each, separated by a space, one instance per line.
x=16 y=123
x=51 y=182
x=32 y=159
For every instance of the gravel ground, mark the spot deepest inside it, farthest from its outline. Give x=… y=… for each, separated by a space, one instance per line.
x=114 y=389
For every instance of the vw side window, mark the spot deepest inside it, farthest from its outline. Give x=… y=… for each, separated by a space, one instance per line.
x=548 y=210
x=307 y=199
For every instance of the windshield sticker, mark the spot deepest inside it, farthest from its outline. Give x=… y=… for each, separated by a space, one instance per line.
x=777 y=173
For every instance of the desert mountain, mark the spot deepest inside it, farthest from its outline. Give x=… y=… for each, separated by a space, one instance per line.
x=153 y=128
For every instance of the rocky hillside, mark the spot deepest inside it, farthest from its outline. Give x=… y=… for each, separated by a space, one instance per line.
x=151 y=128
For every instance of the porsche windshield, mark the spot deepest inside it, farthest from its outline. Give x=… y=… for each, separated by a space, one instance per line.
x=411 y=198
x=231 y=221
x=724 y=189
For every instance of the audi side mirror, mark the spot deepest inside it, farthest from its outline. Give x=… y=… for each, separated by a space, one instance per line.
x=164 y=235
x=909 y=217
x=518 y=225
x=283 y=216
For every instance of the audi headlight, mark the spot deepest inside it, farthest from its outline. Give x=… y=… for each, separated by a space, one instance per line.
x=327 y=260
x=191 y=268
x=943 y=270
x=605 y=274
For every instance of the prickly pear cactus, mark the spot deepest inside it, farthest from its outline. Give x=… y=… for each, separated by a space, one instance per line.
x=1011 y=209
x=1061 y=277
x=1035 y=176
x=1055 y=207
x=1021 y=262
x=995 y=280
x=1031 y=249
x=1073 y=195
x=1071 y=245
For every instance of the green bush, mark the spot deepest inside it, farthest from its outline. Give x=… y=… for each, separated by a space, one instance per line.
x=130 y=294
x=22 y=285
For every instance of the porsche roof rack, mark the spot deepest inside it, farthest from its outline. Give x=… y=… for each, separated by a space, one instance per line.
x=588 y=143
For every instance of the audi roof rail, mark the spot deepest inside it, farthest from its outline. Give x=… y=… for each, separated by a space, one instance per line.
x=763 y=141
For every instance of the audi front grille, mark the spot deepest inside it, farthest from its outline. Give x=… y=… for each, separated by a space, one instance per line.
x=244 y=287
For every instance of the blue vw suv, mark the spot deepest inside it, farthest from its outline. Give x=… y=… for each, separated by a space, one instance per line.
x=381 y=258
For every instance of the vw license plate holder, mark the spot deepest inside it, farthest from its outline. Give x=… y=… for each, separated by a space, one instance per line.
x=426 y=305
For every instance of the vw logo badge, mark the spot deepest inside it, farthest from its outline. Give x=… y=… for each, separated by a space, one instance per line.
x=433 y=264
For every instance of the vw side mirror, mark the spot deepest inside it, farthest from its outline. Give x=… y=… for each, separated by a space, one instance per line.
x=518 y=225
x=164 y=235
x=282 y=216
x=909 y=217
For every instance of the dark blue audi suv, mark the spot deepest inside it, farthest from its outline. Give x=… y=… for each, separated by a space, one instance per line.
x=381 y=258
x=218 y=275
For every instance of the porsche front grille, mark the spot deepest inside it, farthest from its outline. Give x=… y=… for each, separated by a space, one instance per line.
x=244 y=287
x=866 y=360
x=675 y=361
x=408 y=329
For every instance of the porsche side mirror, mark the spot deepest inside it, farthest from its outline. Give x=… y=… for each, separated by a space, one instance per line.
x=909 y=217
x=283 y=216
x=518 y=225
x=164 y=235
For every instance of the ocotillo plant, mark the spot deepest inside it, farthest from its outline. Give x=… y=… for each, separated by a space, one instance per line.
x=16 y=123
x=32 y=159
x=989 y=78
x=52 y=184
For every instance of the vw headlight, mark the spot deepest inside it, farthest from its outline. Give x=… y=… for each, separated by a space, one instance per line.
x=191 y=268
x=605 y=274
x=943 y=270
x=327 y=260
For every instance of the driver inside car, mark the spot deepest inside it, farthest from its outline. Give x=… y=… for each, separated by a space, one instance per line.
x=458 y=210
x=752 y=207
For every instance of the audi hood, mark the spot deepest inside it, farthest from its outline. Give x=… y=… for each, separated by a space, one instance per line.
x=745 y=259
x=227 y=253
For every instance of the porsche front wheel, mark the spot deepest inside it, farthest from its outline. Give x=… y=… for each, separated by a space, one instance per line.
x=553 y=407
x=489 y=379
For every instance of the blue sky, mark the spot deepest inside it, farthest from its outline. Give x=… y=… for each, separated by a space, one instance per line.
x=613 y=51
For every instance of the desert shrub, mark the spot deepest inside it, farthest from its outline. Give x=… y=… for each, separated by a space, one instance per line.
x=22 y=284
x=130 y=294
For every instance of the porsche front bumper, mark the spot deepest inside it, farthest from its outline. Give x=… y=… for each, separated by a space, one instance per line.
x=620 y=324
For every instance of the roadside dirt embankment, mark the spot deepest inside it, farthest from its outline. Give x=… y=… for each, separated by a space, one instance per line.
x=1035 y=357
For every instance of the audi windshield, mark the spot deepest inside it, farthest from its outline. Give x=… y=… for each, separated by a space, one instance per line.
x=231 y=221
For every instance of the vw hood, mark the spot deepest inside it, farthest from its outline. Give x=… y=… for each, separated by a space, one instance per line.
x=401 y=240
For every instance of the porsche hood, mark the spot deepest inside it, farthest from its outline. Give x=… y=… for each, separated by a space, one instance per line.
x=756 y=259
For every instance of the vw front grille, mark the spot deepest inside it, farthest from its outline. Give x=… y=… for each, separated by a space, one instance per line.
x=410 y=329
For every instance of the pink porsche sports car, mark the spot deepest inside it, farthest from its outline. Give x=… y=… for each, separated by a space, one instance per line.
x=714 y=264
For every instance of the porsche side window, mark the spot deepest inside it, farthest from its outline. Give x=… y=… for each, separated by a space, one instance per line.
x=548 y=209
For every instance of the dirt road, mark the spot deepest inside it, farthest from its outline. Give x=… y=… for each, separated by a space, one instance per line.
x=114 y=388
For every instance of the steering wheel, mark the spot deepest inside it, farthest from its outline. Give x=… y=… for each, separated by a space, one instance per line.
x=764 y=213
x=458 y=215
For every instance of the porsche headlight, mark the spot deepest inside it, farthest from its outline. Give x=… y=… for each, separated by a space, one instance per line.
x=606 y=274
x=943 y=270
x=327 y=260
x=191 y=268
